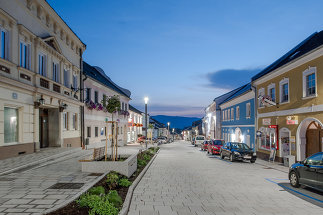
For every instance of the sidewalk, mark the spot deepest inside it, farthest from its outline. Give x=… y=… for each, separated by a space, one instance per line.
x=276 y=165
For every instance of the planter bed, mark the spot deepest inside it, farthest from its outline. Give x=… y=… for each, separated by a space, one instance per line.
x=75 y=209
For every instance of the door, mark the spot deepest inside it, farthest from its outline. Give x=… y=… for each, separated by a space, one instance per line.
x=308 y=172
x=43 y=130
x=313 y=139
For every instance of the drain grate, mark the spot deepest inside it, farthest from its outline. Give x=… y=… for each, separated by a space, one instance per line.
x=66 y=186
x=95 y=174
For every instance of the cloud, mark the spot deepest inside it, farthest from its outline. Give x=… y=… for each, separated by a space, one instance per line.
x=230 y=78
x=173 y=110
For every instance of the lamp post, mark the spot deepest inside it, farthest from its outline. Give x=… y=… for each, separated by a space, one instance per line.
x=168 y=123
x=173 y=133
x=146 y=119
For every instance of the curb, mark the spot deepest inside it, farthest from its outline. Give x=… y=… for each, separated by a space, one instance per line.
x=39 y=161
x=273 y=167
x=76 y=196
x=127 y=201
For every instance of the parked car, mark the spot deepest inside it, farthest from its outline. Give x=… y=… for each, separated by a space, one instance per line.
x=204 y=145
x=237 y=151
x=141 y=139
x=214 y=147
x=162 y=139
x=308 y=172
x=199 y=140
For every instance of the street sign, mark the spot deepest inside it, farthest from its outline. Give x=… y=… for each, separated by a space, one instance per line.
x=106 y=119
x=258 y=133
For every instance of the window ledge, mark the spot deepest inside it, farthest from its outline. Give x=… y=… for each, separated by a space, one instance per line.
x=309 y=97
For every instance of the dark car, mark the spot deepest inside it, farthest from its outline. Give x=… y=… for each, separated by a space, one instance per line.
x=204 y=145
x=214 y=146
x=308 y=172
x=237 y=151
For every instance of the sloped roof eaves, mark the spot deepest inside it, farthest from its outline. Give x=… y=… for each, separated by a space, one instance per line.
x=220 y=99
x=132 y=108
x=94 y=74
x=246 y=88
x=310 y=43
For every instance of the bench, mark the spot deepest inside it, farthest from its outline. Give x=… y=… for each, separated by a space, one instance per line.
x=98 y=154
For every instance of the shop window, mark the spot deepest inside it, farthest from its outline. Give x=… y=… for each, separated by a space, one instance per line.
x=102 y=131
x=10 y=125
x=25 y=55
x=268 y=138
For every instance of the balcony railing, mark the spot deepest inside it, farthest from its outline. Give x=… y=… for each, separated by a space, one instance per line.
x=44 y=83
x=56 y=88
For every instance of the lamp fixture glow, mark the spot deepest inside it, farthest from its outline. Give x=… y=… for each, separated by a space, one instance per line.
x=168 y=123
x=146 y=100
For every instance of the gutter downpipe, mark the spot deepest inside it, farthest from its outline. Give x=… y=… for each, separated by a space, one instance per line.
x=256 y=115
x=82 y=98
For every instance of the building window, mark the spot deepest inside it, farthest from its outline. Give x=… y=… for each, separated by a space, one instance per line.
x=232 y=114
x=284 y=90
x=10 y=125
x=237 y=113
x=75 y=81
x=309 y=82
x=25 y=55
x=223 y=115
x=42 y=64
x=228 y=114
x=122 y=106
x=88 y=131
x=4 y=44
x=248 y=110
x=96 y=132
x=272 y=92
x=126 y=106
x=75 y=121
x=65 y=120
x=55 y=72
x=88 y=94
x=96 y=97
x=66 y=78
x=261 y=93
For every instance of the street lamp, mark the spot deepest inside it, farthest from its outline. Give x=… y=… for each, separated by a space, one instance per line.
x=173 y=133
x=168 y=123
x=146 y=119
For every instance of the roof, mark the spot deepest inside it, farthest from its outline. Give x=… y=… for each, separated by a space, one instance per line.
x=98 y=74
x=313 y=41
x=244 y=89
x=219 y=100
x=132 y=108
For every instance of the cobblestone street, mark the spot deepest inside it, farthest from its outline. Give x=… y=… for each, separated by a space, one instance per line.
x=184 y=181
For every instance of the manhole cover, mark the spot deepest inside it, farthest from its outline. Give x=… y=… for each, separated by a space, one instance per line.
x=67 y=186
x=95 y=174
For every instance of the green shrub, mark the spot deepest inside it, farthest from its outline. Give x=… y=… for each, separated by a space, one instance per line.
x=112 y=180
x=141 y=163
x=114 y=198
x=98 y=205
x=97 y=190
x=124 y=182
x=146 y=157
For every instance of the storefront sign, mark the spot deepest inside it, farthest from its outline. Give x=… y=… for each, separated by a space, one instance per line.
x=292 y=139
x=292 y=120
x=266 y=121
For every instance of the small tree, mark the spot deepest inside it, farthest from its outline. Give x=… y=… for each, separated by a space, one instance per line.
x=113 y=106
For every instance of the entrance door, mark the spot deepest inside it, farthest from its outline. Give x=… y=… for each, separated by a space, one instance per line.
x=313 y=138
x=43 y=128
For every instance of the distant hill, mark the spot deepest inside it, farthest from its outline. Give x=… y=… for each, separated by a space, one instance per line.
x=176 y=121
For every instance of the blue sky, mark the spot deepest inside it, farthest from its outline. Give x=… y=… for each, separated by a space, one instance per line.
x=184 y=53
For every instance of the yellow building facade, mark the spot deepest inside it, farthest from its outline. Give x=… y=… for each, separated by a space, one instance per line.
x=290 y=103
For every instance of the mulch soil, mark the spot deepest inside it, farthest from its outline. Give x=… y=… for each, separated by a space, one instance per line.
x=74 y=209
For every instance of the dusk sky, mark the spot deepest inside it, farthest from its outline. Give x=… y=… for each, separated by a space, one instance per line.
x=184 y=53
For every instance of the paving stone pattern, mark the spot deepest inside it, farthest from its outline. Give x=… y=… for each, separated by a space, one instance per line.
x=185 y=181
x=28 y=192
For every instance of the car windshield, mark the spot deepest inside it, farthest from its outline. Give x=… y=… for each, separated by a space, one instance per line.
x=199 y=138
x=218 y=142
x=239 y=146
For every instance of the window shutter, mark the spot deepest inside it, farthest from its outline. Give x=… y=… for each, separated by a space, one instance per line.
x=6 y=42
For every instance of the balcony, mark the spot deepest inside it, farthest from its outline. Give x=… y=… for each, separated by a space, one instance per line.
x=44 y=83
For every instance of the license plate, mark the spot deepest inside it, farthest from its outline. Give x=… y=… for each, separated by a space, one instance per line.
x=247 y=157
